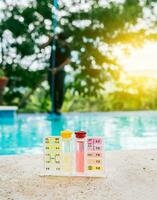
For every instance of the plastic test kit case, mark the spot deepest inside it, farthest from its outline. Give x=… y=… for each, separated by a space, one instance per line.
x=74 y=155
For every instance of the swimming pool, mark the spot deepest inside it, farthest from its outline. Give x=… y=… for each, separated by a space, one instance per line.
x=122 y=130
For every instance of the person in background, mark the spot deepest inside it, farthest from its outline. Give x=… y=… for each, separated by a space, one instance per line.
x=62 y=58
x=56 y=74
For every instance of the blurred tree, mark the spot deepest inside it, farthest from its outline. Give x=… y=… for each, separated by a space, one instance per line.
x=93 y=28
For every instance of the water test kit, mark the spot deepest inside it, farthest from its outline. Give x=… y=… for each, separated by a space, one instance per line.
x=74 y=155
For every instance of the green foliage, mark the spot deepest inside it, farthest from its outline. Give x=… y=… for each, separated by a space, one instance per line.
x=16 y=27
x=39 y=102
x=2 y=74
x=22 y=31
x=137 y=95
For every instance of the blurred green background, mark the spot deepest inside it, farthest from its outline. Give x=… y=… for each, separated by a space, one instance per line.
x=96 y=30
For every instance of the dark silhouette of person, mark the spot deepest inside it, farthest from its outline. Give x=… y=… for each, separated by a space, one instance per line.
x=62 y=58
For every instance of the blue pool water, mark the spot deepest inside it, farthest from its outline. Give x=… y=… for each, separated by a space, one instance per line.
x=125 y=130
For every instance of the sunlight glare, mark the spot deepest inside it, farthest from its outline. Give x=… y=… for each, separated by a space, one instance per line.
x=142 y=59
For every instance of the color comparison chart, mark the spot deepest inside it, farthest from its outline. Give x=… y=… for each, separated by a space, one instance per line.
x=74 y=155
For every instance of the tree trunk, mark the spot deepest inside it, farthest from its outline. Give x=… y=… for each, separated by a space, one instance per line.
x=3 y=83
x=1 y=97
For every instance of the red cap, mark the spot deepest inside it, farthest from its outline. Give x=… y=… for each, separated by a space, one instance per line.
x=80 y=134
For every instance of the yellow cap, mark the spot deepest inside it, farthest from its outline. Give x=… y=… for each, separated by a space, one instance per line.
x=66 y=134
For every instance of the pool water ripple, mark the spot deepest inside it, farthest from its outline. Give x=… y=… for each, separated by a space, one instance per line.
x=124 y=130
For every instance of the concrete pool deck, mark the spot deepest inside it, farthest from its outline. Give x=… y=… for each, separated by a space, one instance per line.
x=130 y=175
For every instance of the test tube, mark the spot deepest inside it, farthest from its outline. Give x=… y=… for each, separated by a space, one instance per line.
x=67 y=164
x=80 y=147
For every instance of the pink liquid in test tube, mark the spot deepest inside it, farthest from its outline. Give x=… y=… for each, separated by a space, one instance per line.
x=80 y=142
x=80 y=156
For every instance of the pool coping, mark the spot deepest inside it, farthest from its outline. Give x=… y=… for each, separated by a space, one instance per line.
x=8 y=108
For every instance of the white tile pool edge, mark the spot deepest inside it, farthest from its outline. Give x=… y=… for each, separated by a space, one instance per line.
x=8 y=108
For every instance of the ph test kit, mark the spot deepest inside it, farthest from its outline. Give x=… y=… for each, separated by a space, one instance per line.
x=74 y=155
